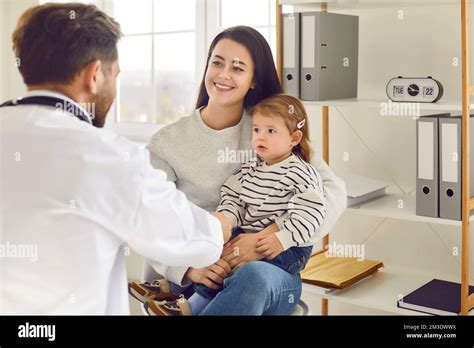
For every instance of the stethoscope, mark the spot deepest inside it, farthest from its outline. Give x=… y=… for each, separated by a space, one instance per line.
x=54 y=102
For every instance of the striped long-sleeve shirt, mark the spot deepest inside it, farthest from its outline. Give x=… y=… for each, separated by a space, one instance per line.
x=289 y=193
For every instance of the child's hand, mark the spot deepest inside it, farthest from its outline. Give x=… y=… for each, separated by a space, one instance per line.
x=269 y=245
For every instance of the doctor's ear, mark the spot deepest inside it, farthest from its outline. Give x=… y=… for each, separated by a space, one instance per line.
x=92 y=75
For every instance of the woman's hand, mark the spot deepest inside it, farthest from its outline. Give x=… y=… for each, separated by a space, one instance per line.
x=212 y=276
x=242 y=249
x=270 y=246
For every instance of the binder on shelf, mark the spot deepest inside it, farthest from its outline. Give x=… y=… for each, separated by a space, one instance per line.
x=329 y=56
x=437 y=297
x=291 y=53
x=450 y=166
x=427 y=172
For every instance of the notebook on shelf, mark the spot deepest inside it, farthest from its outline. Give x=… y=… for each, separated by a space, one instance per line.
x=438 y=297
x=335 y=273
x=361 y=188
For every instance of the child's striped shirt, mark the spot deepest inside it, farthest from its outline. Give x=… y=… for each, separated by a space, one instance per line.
x=289 y=193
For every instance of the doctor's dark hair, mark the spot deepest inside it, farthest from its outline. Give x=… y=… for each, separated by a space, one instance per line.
x=54 y=42
x=265 y=75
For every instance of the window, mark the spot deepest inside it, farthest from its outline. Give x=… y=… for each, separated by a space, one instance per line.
x=163 y=54
x=157 y=58
x=262 y=17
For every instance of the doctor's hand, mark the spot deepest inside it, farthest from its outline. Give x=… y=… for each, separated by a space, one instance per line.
x=225 y=224
x=242 y=249
x=212 y=276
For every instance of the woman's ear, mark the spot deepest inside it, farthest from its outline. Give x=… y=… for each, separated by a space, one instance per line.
x=252 y=86
x=296 y=138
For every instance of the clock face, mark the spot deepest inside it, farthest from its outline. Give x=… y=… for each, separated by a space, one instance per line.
x=413 y=90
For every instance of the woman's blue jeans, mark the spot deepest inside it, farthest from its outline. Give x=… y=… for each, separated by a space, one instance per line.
x=257 y=288
x=266 y=287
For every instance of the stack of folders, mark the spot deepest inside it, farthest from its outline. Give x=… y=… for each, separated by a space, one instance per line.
x=438 y=174
x=324 y=273
x=437 y=297
x=320 y=55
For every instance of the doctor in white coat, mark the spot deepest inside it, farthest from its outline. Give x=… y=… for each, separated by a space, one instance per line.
x=74 y=195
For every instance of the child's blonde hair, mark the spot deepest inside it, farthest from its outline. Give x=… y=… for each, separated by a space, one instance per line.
x=292 y=111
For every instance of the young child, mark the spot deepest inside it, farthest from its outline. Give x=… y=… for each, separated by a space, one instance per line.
x=279 y=186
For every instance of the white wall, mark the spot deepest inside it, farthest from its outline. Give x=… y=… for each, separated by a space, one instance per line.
x=11 y=83
x=3 y=13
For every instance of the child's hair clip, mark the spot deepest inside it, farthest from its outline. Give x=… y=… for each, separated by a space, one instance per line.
x=300 y=124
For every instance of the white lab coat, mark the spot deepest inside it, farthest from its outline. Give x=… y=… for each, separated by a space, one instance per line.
x=78 y=194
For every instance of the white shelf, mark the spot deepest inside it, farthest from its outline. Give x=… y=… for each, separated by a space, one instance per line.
x=355 y=4
x=388 y=206
x=376 y=104
x=381 y=291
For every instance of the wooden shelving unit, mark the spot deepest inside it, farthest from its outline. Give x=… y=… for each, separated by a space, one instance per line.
x=375 y=104
x=380 y=290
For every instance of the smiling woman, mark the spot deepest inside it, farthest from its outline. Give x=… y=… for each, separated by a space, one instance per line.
x=227 y=81
x=239 y=73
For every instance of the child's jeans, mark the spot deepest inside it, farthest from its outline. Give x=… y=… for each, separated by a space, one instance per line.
x=292 y=260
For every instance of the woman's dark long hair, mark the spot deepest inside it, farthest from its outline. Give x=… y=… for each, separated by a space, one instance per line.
x=265 y=74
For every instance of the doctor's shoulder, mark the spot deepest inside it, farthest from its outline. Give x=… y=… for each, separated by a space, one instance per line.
x=113 y=146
